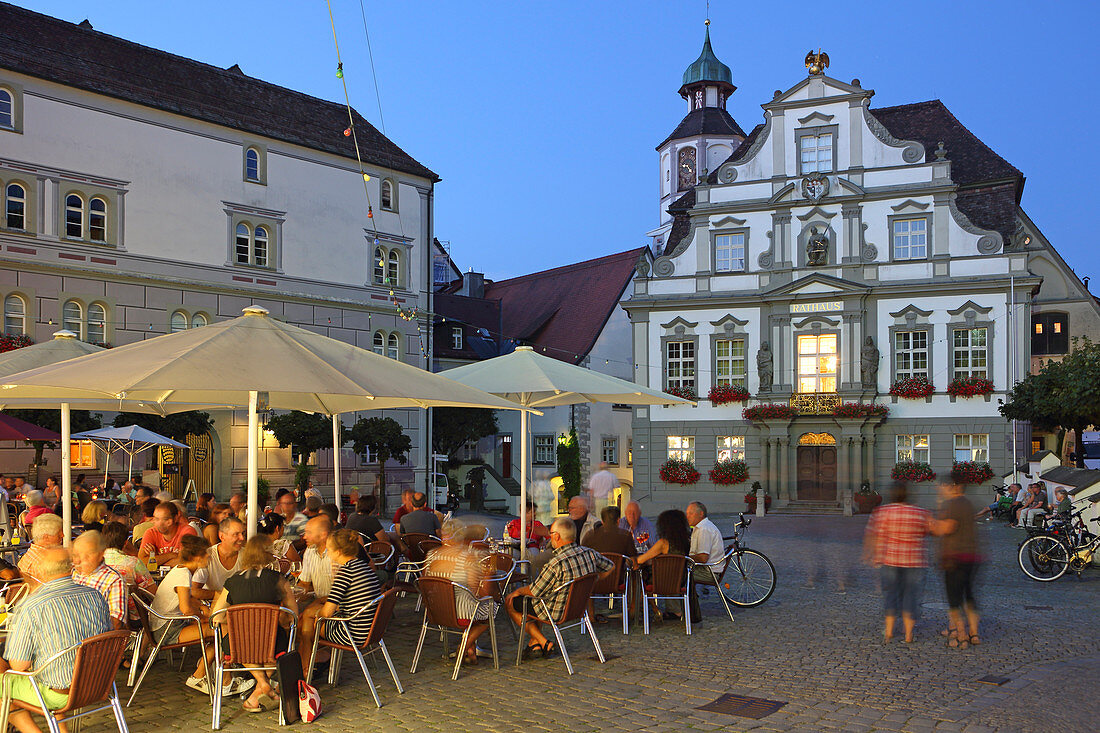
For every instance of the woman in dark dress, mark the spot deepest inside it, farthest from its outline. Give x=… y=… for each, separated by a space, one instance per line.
x=258 y=583
x=673 y=538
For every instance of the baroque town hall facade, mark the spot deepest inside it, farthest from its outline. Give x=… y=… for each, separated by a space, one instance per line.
x=833 y=253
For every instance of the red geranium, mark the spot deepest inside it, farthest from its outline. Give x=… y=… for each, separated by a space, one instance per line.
x=912 y=471
x=675 y=471
x=727 y=473
x=860 y=409
x=971 y=472
x=11 y=343
x=687 y=393
x=769 y=411
x=912 y=388
x=969 y=386
x=721 y=394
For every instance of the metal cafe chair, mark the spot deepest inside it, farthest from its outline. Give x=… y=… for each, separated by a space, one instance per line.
x=713 y=575
x=669 y=581
x=574 y=614
x=614 y=586
x=252 y=629
x=97 y=662
x=383 y=612
x=441 y=614
x=145 y=611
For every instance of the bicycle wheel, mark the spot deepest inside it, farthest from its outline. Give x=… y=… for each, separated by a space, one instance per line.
x=749 y=579
x=1043 y=558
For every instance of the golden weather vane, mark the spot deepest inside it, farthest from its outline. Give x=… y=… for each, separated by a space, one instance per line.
x=816 y=63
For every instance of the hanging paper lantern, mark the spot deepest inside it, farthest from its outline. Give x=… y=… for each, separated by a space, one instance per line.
x=370 y=213
x=340 y=70
x=347 y=132
x=366 y=176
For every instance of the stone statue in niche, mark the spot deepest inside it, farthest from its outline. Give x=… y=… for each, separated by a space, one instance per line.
x=817 y=248
x=764 y=366
x=868 y=363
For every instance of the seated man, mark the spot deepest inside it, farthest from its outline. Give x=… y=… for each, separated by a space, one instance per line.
x=568 y=562
x=46 y=533
x=90 y=570
x=706 y=548
x=36 y=507
x=145 y=523
x=1035 y=506
x=162 y=542
x=316 y=575
x=584 y=520
x=608 y=537
x=364 y=521
x=225 y=560
x=642 y=529
x=238 y=502
x=421 y=520
x=312 y=507
x=294 y=521
x=60 y=614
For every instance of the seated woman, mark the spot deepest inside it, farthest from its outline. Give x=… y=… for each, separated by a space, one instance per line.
x=673 y=538
x=94 y=516
x=354 y=585
x=258 y=583
x=218 y=512
x=537 y=533
x=174 y=598
x=455 y=560
x=132 y=570
x=36 y=506
x=283 y=549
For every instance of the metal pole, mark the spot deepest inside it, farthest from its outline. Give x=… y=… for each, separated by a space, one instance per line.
x=523 y=427
x=66 y=473
x=1013 y=346
x=336 y=444
x=253 y=464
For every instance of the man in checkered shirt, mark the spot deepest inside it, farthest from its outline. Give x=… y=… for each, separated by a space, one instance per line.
x=568 y=561
x=90 y=570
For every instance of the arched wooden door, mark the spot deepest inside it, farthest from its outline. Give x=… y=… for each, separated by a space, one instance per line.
x=816 y=467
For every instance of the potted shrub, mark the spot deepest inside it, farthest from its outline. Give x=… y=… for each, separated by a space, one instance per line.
x=263 y=490
x=860 y=410
x=729 y=472
x=687 y=393
x=912 y=472
x=723 y=394
x=675 y=471
x=971 y=472
x=969 y=387
x=867 y=498
x=912 y=388
x=769 y=411
x=753 y=492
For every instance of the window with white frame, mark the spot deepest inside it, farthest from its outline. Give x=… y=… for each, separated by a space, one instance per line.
x=15 y=315
x=252 y=245
x=15 y=206
x=680 y=364
x=609 y=451
x=731 y=447
x=544 y=449
x=97 y=220
x=387 y=195
x=379 y=266
x=393 y=346
x=816 y=152
x=910 y=354
x=74 y=216
x=365 y=458
x=82 y=454
x=379 y=343
x=456 y=337
x=97 y=323
x=178 y=322
x=729 y=252
x=729 y=362
x=199 y=320
x=7 y=109
x=470 y=450
x=817 y=363
x=393 y=269
x=243 y=244
x=252 y=165
x=682 y=447
x=972 y=447
x=72 y=318
x=970 y=348
x=910 y=239
x=86 y=220
x=259 y=247
x=913 y=448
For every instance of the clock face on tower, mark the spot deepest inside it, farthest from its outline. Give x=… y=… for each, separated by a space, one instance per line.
x=686 y=174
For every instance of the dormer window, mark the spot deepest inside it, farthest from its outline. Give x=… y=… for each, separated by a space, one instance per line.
x=816 y=152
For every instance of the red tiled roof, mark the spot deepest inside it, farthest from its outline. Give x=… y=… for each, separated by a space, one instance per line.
x=566 y=308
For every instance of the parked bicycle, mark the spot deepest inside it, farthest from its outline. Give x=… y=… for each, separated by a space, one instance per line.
x=748 y=578
x=1065 y=545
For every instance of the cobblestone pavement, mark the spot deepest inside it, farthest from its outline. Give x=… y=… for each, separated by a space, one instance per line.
x=815 y=645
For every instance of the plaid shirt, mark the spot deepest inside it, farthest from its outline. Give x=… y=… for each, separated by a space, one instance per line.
x=107 y=581
x=897 y=532
x=568 y=562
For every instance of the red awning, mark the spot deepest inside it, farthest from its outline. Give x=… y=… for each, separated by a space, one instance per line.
x=12 y=428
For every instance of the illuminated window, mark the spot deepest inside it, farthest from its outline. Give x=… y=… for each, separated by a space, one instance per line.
x=82 y=454
x=913 y=448
x=682 y=447
x=817 y=363
x=731 y=447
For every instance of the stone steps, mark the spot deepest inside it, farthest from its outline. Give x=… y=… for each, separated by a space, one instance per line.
x=807 y=507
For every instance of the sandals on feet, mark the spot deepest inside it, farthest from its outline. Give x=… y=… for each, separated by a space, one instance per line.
x=258 y=709
x=975 y=640
x=548 y=648
x=531 y=649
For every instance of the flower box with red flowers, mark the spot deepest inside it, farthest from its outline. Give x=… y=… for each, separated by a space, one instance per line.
x=729 y=472
x=860 y=409
x=971 y=472
x=675 y=471
x=912 y=388
x=687 y=393
x=912 y=471
x=722 y=394
x=11 y=343
x=769 y=411
x=969 y=387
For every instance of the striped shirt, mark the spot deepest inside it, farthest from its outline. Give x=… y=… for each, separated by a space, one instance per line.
x=317 y=571
x=461 y=565
x=897 y=532
x=568 y=563
x=354 y=586
x=58 y=615
x=110 y=583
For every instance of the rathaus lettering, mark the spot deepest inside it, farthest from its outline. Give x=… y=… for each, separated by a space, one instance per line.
x=817 y=307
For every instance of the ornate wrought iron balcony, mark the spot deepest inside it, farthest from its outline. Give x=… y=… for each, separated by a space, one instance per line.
x=815 y=403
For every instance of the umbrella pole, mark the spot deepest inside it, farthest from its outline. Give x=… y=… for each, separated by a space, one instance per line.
x=336 y=458
x=253 y=467
x=66 y=474
x=523 y=427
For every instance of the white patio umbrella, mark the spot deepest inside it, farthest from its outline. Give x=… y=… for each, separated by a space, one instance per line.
x=131 y=440
x=536 y=381
x=252 y=361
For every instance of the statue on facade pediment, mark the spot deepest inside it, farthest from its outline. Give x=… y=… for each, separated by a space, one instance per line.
x=765 y=366
x=817 y=248
x=868 y=363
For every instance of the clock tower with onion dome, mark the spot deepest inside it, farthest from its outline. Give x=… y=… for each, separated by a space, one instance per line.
x=704 y=139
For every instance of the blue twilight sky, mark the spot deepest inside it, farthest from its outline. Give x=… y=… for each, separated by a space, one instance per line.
x=542 y=117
